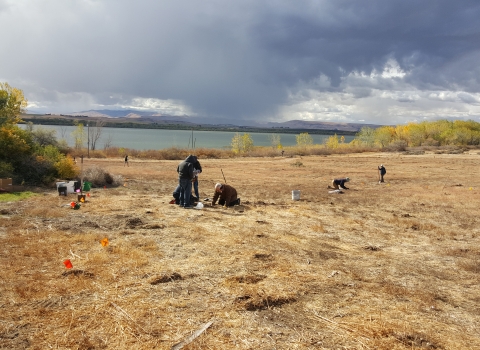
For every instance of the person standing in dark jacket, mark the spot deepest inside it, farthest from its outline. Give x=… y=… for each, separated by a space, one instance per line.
x=185 y=177
x=381 y=173
x=197 y=169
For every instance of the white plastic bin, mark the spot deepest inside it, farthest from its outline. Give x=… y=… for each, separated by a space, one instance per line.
x=296 y=195
x=70 y=187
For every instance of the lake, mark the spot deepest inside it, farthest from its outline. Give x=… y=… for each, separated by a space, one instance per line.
x=145 y=139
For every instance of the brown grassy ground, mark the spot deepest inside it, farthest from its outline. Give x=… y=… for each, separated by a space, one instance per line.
x=382 y=266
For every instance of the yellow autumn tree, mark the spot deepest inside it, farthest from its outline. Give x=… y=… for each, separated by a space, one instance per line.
x=384 y=135
x=304 y=139
x=332 y=142
x=12 y=104
x=242 y=143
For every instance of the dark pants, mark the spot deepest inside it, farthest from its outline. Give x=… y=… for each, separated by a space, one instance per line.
x=195 y=188
x=185 y=191
x=176 y=194
x=231 y=204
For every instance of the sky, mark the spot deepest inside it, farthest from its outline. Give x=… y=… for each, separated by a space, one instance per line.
x=354 y=61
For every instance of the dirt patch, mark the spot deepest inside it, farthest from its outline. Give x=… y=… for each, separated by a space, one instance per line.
x=133 y=222
x=78 y=273
x=166 y=278
x=256 y=302
x=248 y=279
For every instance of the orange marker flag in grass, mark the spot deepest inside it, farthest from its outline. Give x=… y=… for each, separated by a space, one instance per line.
x=104 y=242
x=68 y=264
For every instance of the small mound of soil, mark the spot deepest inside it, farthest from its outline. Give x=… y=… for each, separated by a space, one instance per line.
x=133 y=222
x=166 y=278
x=78 y=273
x=263 y=256
x=250 y=303
x=249 y=279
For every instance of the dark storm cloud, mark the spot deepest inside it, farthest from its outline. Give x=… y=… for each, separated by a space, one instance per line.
x=242 y=59
x=356 y=35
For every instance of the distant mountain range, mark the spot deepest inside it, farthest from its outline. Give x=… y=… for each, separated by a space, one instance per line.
x=152 y=117
x=145 y=116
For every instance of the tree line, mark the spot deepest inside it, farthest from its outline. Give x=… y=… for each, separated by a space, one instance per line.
x=435 y=133
x=29 y=156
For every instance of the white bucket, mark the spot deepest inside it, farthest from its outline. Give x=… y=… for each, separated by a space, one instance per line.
x=70 y=187
x=295 y=195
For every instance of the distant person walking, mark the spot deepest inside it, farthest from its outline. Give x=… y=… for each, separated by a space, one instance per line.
x=126 y=161
x=185 y=177
x=340 y=183
x=381 y=173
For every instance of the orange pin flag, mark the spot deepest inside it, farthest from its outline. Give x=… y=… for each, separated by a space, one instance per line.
x=68 y=264
x=73 y=204
x=104 y=242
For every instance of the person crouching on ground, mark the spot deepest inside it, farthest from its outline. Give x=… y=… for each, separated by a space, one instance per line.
x=340 y=183
x=185 y=177
x=226 y=195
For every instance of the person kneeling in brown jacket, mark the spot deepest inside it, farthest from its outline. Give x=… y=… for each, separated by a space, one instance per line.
x=226 y=195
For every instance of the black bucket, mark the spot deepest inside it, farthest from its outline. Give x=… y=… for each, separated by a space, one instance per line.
x=62 y=190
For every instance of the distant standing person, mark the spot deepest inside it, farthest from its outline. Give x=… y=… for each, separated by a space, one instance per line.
x=381 y=172
x=185 y=177
x=126 y=160
x=197 y=169
x=340 y=183
x=226 y=195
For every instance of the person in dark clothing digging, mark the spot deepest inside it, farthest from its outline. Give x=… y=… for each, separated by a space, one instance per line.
x=185 y=177
x=226 y=195
x=340 y=183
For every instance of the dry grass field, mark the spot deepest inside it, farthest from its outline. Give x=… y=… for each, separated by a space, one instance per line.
x=381 y=266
